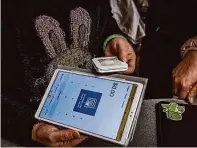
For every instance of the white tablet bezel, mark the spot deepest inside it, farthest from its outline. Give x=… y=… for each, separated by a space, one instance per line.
x=130 y=119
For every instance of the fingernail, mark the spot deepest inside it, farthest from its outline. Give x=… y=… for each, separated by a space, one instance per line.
x=76 y=134
x=124 y=59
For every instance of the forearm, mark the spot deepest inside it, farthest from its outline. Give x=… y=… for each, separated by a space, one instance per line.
x=112 y=31
x=111 y=26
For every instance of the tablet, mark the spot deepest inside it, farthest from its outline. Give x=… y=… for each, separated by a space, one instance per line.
x=98 y=106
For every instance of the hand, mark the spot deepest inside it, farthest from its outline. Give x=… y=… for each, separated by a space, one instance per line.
x=121 y=48
x=185 y=77
x=50 y=135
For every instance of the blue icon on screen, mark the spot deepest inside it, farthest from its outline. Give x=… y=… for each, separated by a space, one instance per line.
x=87 y=102
x=90 y=103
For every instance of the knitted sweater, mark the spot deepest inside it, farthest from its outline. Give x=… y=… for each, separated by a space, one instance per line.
x=37 y=37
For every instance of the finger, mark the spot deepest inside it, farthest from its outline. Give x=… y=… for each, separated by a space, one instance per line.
x=108 y=52
x=71 y=143
x=131 y=66
x=175 y=86
x=123 y=51
x=132 y=60
x=42 y=130
x=77 y=141
x=192 y=94
x=43 y=133
x=183 y=91
x=131 y=56
x=35 y=129
x=129 y=71
x=62 y=135
x=176 y=79
x=124 y=55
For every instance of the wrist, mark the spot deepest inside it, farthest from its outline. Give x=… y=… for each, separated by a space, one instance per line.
x=112 y=37
x=190 y=45
x=192 y=52
x=187 y=51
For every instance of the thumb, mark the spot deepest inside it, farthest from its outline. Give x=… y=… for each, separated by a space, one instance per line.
x=77 y=141
x=124 y=49
x=108 y=52
x=61 y=135
x=192 y=94
x=123 y=54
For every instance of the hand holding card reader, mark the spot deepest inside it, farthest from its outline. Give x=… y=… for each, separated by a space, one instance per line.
x=102 y=107
x=109 y=64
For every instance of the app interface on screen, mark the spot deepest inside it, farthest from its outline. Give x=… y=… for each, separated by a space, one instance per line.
x=91 y=104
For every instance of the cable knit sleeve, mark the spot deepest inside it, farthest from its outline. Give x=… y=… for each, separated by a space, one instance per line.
x=189 y=45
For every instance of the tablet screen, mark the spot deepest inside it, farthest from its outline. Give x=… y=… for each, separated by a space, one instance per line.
x=88 y=103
